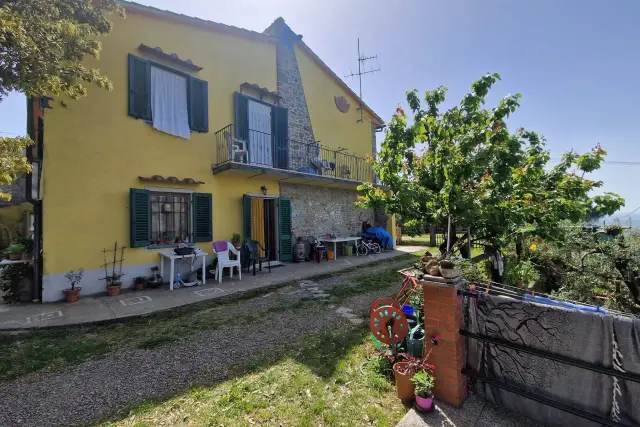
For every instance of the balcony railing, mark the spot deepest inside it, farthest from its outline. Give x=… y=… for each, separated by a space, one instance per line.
x=251 y=147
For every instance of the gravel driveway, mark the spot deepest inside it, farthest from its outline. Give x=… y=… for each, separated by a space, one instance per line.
x=96 y=389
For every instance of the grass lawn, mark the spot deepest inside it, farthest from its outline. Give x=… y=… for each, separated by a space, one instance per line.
x=51 y=350
x=313 y=382
x=424 y=240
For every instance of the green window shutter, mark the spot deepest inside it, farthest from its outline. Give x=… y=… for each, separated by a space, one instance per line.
x=285 y=229
x=139 y=88
x=202 y=218
x=246 y=211
x=241 y=115
x=140 y=217
x=198 y=105
x=281 y=137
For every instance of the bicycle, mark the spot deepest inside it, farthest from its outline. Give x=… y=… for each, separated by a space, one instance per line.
x=366 y=245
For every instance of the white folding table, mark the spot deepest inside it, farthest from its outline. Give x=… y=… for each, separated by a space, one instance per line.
x=337 y=240
x=172 y=257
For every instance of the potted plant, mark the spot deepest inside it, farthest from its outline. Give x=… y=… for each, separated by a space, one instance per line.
x=114 y=283
x=15 y=251
x=156 y=279
x=139 y=282
x=235 y=240
x=423 y=382
x=73 y=293
x=447 y=269
x=404 y=370
x=27 y=242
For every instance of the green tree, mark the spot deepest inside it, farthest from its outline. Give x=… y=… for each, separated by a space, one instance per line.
x=592 y=267
x=464 y=164
x=42 y=47
x=14 y=163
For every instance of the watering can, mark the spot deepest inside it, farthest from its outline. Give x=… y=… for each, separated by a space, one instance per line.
x=415 y=341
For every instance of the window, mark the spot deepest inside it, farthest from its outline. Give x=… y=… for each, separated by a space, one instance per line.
x=169 y=102
x=157 y=217
x=169 y=218
x=173 y=101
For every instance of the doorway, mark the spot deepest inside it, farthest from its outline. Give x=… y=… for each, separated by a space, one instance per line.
x=264 y=225
x=270 y=229
x=268 y=221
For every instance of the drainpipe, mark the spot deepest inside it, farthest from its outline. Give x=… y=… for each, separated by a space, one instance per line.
x=36 y=135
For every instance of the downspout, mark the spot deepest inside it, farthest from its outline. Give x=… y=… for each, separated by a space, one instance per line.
x=36 y=135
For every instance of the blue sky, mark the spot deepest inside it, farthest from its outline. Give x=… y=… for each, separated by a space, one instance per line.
x=576 y=62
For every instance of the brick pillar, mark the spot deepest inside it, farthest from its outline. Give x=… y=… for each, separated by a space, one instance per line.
x=443 y=318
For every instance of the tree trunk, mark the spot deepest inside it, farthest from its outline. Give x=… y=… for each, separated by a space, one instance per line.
x=518 y=249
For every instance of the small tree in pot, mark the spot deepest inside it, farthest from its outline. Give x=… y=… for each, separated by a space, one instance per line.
x=73 y=277
x=114 y=283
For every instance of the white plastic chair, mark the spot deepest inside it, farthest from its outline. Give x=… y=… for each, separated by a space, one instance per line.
x=224 y=261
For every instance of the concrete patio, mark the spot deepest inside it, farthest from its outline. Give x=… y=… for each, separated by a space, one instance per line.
x=131 y=303
x=475 y=412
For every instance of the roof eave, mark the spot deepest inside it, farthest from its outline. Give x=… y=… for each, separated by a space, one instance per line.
x=154 y=12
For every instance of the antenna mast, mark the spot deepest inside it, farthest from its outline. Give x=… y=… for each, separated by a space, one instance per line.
x=361 y=61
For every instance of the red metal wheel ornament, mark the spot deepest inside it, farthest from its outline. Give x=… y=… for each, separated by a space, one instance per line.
x=389 y=317
x=383 y=301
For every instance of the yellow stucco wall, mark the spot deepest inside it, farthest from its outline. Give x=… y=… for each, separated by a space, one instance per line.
x=95 y=151
x=330 y=126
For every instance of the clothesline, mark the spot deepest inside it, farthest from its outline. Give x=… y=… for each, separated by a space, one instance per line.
x=541 y=297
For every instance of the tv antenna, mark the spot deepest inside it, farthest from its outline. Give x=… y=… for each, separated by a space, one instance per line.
x=361 y=72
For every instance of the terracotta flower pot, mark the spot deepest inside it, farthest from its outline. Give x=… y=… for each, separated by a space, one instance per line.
x=139 y=286
x=404 y=387
x=72 y=295
x=112 y=291
x=15 y=257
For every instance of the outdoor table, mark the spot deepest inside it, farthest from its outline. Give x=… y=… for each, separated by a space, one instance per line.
x=337 y=240
x=172 y=257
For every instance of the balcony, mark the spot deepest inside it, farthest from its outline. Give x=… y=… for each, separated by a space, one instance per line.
x=296 y=162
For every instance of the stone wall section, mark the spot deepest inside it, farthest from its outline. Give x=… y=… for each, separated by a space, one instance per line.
x=302 y=142
x=318 y=211
x=380 y=217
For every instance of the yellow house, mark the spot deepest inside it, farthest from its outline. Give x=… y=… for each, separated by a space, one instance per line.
x=210 y=130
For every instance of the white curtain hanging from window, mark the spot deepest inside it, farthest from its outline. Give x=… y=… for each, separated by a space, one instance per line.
x=169 y=103
x=260 y=134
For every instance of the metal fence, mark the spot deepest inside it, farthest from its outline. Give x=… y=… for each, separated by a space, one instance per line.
x=441 y=236
x=252 y=147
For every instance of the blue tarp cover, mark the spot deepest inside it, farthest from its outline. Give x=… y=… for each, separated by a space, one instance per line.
x=381 y=234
